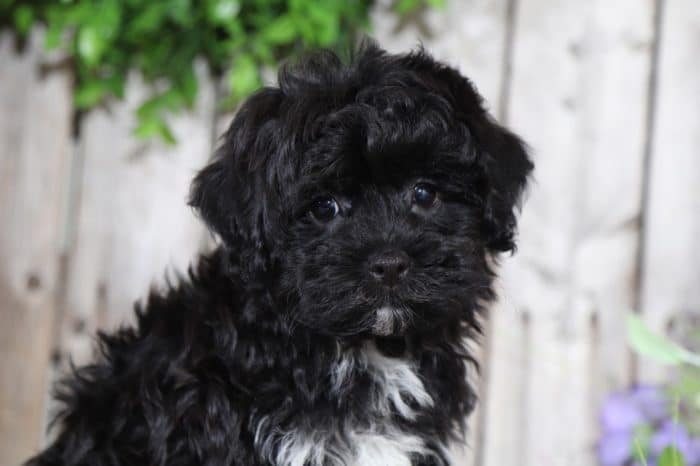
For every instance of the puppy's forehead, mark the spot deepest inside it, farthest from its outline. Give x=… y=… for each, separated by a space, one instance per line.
x=387 y=134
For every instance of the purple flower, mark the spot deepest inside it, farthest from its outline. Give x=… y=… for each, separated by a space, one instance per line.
x=615 y=448
x=620 y=414
x=694 y=455
x=673 y=434
x=651 y=401
x=643 y=410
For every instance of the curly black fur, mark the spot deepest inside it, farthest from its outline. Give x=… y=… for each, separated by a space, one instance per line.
x=272 y=339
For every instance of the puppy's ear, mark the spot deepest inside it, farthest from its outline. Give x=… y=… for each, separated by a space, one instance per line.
x=504 y=160
x=231 y=193
x=212 y=194
x=500 y=155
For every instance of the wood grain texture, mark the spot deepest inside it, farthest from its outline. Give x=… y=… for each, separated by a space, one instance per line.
x=671 y=280
x=470 y=35
x=578 y=96
x=132 y=222
x=577 y=92
x=35 y=148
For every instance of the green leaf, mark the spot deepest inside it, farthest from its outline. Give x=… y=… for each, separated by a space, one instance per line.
x=89 y=94
x=436 y=3
x=91 y=45
x=149 y=108
x=108 y=18
x=670 y=456
x=98 y=29
x=244 y=77
x=149 y=18
x=172 y=99
x=52 y=40
x=56 y=21
x=167 y=135
x=264 y=52
x=280 y=31
x=307 y=31
x=24 y=19
x=326 y=24
x=181 y=12
x=188 y=87
x=154 y=126
x=297 y=5
x=647 y=343
x=222 y=11
x=406 y=6
x=115 y=85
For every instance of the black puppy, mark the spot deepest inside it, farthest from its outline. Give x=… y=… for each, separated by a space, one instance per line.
x=359 y=207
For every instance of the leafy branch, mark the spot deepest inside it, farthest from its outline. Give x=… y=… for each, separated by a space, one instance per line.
x=161 y=39
x=647 y=343
x=656 y=347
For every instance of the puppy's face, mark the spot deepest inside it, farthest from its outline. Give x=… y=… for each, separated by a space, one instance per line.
x=367 y=197
x=385 y=236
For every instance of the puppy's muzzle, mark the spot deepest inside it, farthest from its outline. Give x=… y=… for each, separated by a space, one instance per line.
x=389 y=267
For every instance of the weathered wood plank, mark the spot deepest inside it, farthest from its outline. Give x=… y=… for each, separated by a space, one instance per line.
x=132 y=219
x=35 y=148
x=505 y=406
x=578 y=96
x=469 y=34
x=671 y=278
x=475 y=44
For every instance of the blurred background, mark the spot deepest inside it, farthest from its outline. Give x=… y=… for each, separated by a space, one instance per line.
x=108 y=108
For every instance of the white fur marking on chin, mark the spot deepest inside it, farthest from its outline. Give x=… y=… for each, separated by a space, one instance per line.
x=384 y=321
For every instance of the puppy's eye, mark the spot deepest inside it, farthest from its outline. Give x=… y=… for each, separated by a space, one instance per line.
x=324 y=209
x=424 y=195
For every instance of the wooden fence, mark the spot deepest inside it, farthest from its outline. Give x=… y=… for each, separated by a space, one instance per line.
x=607 y=94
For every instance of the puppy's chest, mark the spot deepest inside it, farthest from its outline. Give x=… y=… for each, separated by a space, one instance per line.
x=373 y=435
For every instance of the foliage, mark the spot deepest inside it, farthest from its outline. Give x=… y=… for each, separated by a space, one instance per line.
x=653 y=425
x=162 y=39
x=646 y=343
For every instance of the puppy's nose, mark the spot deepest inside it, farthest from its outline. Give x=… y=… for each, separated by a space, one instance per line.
x=389 y=267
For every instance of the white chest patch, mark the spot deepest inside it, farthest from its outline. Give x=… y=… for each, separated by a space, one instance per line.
x=388 y=449
x=397 y=387
x=364 y=448
x=397 y=384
